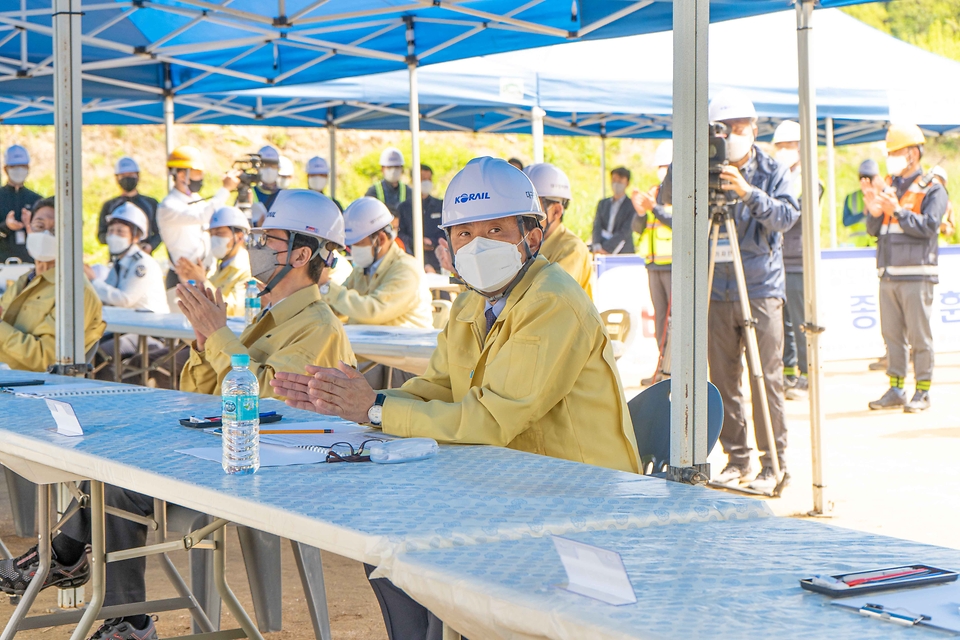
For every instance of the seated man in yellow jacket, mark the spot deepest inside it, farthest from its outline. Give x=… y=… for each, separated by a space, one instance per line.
x=228 y=236
x=289 y=253
x=560 y=245
x=386 y=286
x=523 y=363
x=28 y=307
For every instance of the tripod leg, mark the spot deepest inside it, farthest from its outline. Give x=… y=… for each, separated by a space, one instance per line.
x=753 y=347
x=714 y=239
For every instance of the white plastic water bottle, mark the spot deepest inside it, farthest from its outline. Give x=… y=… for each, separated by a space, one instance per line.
x=240 y=417
x=251 y=305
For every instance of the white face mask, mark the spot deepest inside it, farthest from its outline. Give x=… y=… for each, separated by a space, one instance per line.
x=269 y=175
x=392 y=174
x=787 y=157
x=738 y=146
x=42 y=246
x=18 y=175
x=619 y=188
x=896 y=165
x=317 y=183
x=661 y=173
x=219 y=247
x=488 y=265
x=117 y=244
x=283 y=181
x=426 y=186
x=363 y=256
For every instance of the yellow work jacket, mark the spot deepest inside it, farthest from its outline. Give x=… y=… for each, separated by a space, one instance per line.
x=393 y=296
x=232 y=281
x=543 y=380
x=564 y=248
x=28 y=327
x=293 y=333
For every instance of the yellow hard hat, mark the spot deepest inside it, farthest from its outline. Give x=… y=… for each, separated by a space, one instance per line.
x=185 y=157
x=901 y=136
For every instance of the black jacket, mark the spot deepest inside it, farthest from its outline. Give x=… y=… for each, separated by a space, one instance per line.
x=432 y=208
x=149 y=207
x=622 y=228
x=14 y=200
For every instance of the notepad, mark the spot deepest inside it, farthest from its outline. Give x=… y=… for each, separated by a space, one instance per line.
x=75 y=390
x=321 y=442
x=270 y=456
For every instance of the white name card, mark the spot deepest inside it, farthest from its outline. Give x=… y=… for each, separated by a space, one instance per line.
x=594 y=572
x=67 y=423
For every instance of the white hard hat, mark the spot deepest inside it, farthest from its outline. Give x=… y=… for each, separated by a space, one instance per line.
x=317 y=166
x=787 y=131
x=16 y=155
x=126 y=164
x=229 y=217
x=549 y=181
x=730 y=104
x=663 y=156
x=307 y=213
x=939 y=171
x=269 y=154
x=391 y=157
x=132 y=214
x=285 y=170
x=364 y=217
x=487 y=189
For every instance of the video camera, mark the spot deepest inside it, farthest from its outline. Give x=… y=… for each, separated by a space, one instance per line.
x=249 y=169
x=720 y=199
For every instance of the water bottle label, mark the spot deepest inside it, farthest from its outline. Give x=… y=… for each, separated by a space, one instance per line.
x=253 y=303
x=241 y=408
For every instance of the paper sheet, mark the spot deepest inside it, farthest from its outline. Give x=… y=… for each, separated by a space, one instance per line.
x=594 y=572
x=66 y=419
x=270 y=455
x=322 y=441
x=940 y=602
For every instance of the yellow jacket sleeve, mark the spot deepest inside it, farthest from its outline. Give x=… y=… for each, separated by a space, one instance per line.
x=34 y=351
x=579 y=265
x=396 y=293
x=526 y=378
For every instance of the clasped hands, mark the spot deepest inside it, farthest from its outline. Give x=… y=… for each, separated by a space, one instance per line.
x=342 y=392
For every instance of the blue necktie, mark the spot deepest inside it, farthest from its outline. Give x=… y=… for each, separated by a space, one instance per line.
x=491 y=318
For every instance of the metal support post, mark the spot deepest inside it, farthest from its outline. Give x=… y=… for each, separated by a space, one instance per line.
x=332 y=133
x=168 y=130
x=417 y=202
x=810 y=219
x=98 y=563
x=73 y=597
x=229 y=599
x=43 y=548
x=69 y=224
x=536 y=128
x=690 y=293
x=831 y=182
x=603 y=160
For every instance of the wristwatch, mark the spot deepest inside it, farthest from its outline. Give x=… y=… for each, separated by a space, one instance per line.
x=325 y=289
x=375 y=413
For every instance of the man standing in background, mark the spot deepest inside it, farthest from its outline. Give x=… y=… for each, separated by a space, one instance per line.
x=431 y=221
x=613 y=223
x=127 y=173
x=14 y=198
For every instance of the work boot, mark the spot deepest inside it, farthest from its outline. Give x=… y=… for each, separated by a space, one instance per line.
x=16 y=573
x=798 y=390
x=732 y=474
x=894 y=398
x=122 y=629
x=919 y=402
x=766 y=481
x=879 y=365
x=789 y=382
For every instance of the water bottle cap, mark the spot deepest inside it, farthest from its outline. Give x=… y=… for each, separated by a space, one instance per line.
x=252 y=283
x=239 y=360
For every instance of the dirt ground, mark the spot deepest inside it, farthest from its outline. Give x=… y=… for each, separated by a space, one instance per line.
x=889 y=473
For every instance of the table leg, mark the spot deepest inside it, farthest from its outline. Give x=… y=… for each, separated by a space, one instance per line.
x=117 y=360
x=4 y=551
x=43 y=548
x=229 y=599
x=449 y=633
x=199 y=616
x=310 y=566
x=145 y=360
x=98 y=562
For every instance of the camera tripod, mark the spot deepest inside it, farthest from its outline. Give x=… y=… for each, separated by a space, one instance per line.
x=721 y=214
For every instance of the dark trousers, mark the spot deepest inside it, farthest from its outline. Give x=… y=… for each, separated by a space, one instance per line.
x=125 y=579
x=660 y=282
x=403 y=616
x=794 y=341
x=726 y=341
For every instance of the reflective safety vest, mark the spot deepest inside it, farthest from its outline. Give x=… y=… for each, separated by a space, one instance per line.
x=858 y=232
x=379 y=187
x=656 y=242
x=900 y=255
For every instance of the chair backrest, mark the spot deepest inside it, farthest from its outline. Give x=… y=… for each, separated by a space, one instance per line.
x=441 y=313
x=617 y=323
x=650 y=413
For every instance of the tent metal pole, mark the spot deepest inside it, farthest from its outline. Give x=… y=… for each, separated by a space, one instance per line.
x=603 y=161
x=690 y=289
x=536 y=126
x=67 y=124
x=831 y=181
x=332 y=131
x=168 y=130
x=417 y=203
x=810 y=219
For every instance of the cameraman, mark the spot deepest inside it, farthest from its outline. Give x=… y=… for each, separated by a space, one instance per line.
x=266 y=190
x=765 y=208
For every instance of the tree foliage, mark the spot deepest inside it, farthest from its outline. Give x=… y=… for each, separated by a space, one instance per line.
x=933 y=25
